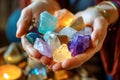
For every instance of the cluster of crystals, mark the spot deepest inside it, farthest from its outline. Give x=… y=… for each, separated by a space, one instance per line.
x=63 y=35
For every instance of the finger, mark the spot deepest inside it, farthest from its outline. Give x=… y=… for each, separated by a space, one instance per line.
x=31 y=51
x=74 y=61
x=78 y=14
x=35 y=59
x=51 y=65
x=99 y=31
x=45 y=60
x=57 y=66
x=24 y=22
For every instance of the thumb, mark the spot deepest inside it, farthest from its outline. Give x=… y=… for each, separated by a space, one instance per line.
x=99 y=31
x=24 y=22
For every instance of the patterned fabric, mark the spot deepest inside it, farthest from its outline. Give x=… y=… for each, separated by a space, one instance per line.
x=110 y=52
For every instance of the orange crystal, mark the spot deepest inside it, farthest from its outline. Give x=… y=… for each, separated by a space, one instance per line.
x=65 y=18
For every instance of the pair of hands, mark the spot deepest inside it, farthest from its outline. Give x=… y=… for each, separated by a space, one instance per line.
x=91 y=18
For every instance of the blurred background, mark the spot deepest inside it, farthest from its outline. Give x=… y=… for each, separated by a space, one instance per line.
x=7 y=7
x=13 y=58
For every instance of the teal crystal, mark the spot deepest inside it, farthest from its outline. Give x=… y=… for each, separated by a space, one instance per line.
x=31 y=37
x=47 y=22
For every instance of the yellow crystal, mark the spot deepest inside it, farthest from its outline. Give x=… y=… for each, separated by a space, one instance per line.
x=78 y=24
x=65 y=18
x=61 y=54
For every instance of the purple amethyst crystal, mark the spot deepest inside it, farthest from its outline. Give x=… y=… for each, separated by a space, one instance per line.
x=78 y=44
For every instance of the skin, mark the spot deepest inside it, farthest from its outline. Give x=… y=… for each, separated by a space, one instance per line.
x=91 y=17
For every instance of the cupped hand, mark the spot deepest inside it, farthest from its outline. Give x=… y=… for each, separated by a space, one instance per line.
x=33 y=53
x=33 y=11
x=24 y=22
x=99 y=24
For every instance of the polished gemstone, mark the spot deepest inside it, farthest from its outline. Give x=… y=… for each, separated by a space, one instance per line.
x=47 y=22
x=79 y=44
x=61 y=54
x=65 y=18
x=43 y=47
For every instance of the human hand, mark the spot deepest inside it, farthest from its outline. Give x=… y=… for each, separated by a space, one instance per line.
x=33 y=11
x=99 y=24
x=33 y=53
x=27 y=14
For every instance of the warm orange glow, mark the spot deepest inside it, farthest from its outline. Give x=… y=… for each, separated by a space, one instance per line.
x=61 y=75
x=10 y=72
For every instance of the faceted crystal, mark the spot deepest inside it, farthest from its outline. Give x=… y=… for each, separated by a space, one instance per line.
x=43 y=47
x=85 y=31
x=31 y=37
x=65 y=18
x=12 y=55
x=61 y=54
x=47 y=22
x=78 y=24
x=68 y=31
x=40 y=72
x=52 y=39
x=79 y=44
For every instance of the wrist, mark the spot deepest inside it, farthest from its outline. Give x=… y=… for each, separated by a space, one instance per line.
x=111 y=10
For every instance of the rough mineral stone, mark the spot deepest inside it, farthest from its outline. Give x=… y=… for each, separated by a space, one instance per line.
x=43 y=47
x=63 y=39
x=31 y=37
x=79 y=44
x=78 y=24
x=85 y=31
x=52 y=39
x=65 y=17
x=47 y=22
x=68 y=31
x=61 y=54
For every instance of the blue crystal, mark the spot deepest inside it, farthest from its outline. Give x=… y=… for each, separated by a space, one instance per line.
x=31 y=37
x=38 y=71
x=79 y=44
x=47 y=22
